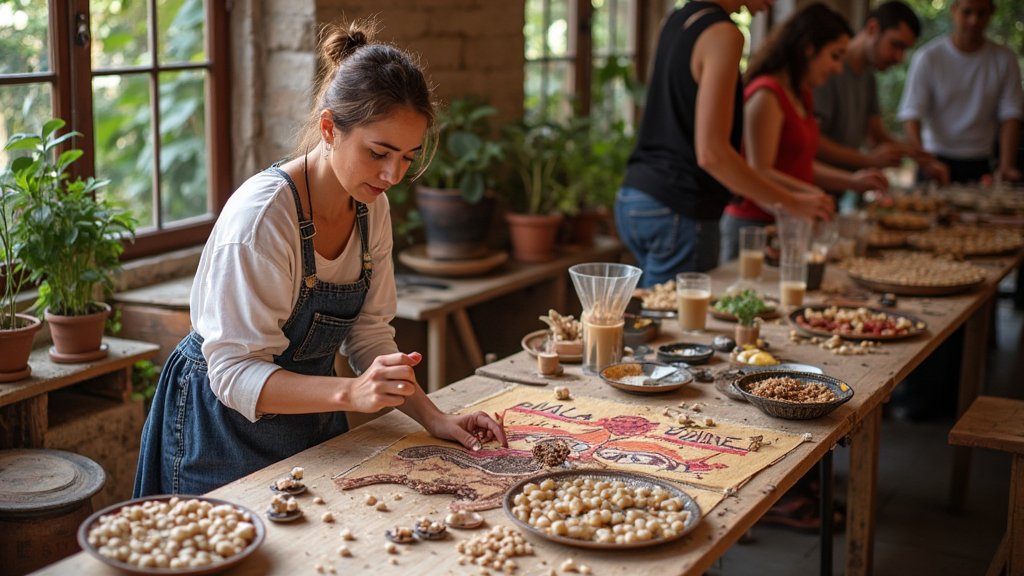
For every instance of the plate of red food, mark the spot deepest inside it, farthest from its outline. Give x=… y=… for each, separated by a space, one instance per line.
x=856 y=323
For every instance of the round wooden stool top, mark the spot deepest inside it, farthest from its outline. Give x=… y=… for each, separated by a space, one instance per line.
x=46 y=481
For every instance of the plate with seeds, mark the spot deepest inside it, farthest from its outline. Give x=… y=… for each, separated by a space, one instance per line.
x=669 y=513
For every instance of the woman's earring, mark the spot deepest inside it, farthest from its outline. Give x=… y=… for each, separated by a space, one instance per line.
x=326 y=151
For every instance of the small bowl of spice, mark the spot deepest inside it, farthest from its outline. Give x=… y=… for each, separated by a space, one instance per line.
x=689 y=352
x=793 y=395
x=646 y=377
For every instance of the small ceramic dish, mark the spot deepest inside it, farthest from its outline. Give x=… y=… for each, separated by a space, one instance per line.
x=646 y=377
x=688 y=352
x=426 y=529
x=639 y=329
x=283 y=516
x=294 y=490
x=464 y=520
x=400 y=535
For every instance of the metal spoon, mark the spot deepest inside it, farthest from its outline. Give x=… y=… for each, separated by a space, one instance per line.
x=656 y=381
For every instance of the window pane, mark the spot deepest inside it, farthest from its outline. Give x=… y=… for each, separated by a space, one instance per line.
x=182 y=26
x=24 y=29
x=557 y=31
x=23 y=108
x=124 y=141
x=183 y=147
x=119 y=33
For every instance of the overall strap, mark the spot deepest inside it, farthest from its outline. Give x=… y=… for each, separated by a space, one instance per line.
x=362 y=222
x=306 y=231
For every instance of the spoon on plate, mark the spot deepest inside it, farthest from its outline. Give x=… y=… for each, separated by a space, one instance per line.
x=656 y=380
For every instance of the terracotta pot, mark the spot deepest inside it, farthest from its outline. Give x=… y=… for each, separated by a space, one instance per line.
x=15 y=348
x=583 y=227
x=454 y=228
x=533 y=236
x=77 y=338
x=747 y=334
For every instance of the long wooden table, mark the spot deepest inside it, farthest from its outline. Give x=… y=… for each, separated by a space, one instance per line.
x=298 y=547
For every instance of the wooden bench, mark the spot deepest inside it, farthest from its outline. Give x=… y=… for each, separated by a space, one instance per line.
x=998 y=423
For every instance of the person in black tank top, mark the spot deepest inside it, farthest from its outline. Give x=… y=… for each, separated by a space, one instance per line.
x=686 y=161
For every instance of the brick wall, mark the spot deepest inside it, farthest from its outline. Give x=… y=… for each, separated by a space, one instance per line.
x=469 y=47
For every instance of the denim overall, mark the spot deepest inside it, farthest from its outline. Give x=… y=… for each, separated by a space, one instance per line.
x=192 y=443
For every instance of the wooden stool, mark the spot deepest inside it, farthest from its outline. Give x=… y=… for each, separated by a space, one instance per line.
x=998 y=423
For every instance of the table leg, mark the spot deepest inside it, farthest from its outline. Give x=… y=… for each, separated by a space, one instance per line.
x=827 y=508
x=861 y=494
x=1015 y=522
x=972 y=377
x=470 y=344
x=437 y=328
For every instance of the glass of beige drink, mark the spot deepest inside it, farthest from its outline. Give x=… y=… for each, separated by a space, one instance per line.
x=752 y=240
x=604 y=289
x=792 y=280
x=693 y=291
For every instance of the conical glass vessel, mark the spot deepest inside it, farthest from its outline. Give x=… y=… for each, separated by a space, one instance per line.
x=604 y=289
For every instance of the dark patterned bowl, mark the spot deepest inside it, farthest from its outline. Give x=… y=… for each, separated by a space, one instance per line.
x=793 y=410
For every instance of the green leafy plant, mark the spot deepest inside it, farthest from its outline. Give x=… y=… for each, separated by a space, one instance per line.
x=11 y=274
x=745 y=306
x=535 y=157
x=71 y=238
x=466 y=153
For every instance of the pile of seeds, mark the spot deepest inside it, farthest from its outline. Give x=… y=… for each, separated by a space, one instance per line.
x=792 y=390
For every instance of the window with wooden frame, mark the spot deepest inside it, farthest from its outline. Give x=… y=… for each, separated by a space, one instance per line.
x=146 y=83
x=584 y=49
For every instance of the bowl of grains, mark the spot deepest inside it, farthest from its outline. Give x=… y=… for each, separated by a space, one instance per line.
x=793 y=395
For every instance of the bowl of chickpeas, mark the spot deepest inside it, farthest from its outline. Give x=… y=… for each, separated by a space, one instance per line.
x=176 y=535
x=793 y=395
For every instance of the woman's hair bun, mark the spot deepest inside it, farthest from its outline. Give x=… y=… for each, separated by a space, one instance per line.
x=340 y=43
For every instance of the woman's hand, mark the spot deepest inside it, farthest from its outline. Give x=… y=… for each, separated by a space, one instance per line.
x=869 y=179
x=386 y=383
x=471 y=430
x=812 y=203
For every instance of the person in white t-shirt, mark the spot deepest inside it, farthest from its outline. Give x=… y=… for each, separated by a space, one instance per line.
x=962 y=95
x=298 y=267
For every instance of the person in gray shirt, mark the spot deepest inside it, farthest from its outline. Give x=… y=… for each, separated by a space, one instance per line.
x=852 y=133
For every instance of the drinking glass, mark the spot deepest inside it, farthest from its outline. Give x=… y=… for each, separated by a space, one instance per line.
x=792 y=279
x=693 y=291
x=752 y=240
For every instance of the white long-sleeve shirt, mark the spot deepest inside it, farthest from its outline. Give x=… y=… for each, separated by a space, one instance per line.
x=248 y=282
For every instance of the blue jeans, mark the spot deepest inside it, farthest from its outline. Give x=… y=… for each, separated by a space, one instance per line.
x=730 y=230
x=664 y=242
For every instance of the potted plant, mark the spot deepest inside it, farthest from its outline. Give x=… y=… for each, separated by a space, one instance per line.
x=16 y=330
x=594 y=163
x=537 y=197
x=453 y=196
x=72 y=241
x=745 y=305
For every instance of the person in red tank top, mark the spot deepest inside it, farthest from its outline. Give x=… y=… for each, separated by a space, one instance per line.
x=780 y=134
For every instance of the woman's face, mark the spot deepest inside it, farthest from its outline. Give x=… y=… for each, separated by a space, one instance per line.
x=828 y=61
x=374 y=157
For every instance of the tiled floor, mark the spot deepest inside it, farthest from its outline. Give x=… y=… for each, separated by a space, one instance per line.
x=915 y=533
